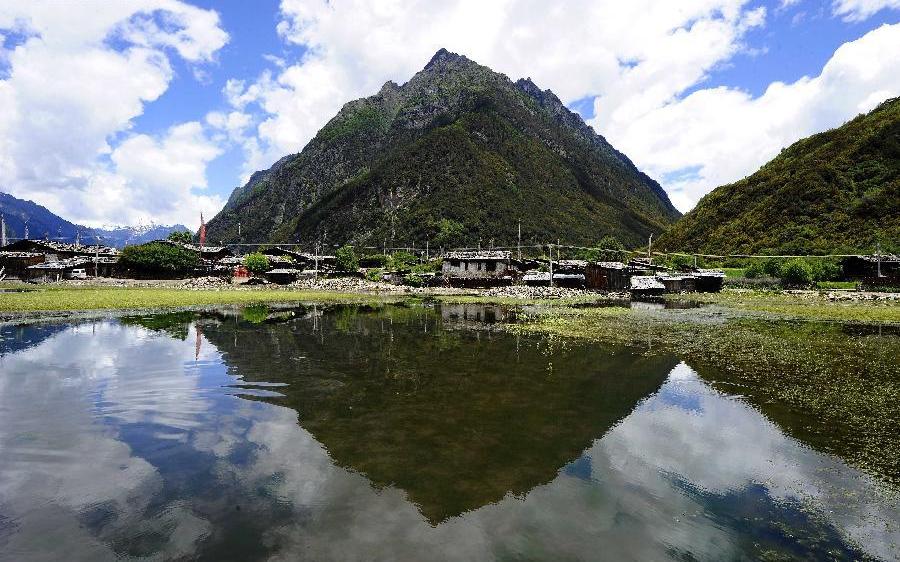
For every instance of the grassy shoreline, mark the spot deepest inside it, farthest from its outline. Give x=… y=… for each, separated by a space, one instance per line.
x=83 y=299
x=762 y=304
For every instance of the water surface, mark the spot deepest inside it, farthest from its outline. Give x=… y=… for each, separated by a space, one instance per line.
x=398 y=433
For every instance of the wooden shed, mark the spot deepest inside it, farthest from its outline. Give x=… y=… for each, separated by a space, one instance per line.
x=709 y=280
x=607 y=276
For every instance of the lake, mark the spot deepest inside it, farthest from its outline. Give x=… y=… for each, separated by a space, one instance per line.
x=400 y=432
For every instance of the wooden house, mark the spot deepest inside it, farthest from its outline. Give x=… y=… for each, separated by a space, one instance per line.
x=607 y=276
x=16 y=264
x=866 y=268
x=709 y=280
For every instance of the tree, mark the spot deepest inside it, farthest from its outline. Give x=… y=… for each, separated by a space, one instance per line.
x=257 y=263
x=448 y=232
x=403 y=261
x=608 y=249
x=159 y=258
x=346 y=259
x=182 y=236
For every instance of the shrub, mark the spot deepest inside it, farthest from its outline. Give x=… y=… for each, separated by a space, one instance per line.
x=772 y=267
x=257 y=263
x=754 y=270
x=159 y=257
x=431 y=266
x=182 y=236
x=682 y=263
x=402 y=261
x=796 y=272
x=825 y=269
x=375 y=274
x=414 y=280
x=346 y=259
x=377 y=260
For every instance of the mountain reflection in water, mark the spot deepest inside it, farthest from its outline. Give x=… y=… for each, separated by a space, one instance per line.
x=396 y=433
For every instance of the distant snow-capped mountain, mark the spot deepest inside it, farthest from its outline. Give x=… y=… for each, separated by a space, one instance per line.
x=119 y=236
x=21 y=215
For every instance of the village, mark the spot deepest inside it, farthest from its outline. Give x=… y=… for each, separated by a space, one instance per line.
x=43 y=261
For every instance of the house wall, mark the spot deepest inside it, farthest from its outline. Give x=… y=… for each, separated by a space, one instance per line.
x=606 y=279
x=475 y=269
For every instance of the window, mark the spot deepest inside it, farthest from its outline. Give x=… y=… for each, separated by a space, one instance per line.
x=491 y=266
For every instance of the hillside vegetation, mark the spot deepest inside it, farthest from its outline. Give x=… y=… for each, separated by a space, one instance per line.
x=837 y=191
x=456 y=155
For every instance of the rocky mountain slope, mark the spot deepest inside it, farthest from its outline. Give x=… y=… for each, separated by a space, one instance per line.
x=457 y=154
x=837 y=191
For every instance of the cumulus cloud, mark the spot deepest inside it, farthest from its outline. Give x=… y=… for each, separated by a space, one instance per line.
x=718 y=135
x=859 y=10
x=83 y=72
x=634 y=55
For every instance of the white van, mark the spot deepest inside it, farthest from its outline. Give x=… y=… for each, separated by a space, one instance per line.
x=78 y=273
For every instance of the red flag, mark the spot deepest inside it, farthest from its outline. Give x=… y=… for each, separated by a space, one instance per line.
x=202 y=230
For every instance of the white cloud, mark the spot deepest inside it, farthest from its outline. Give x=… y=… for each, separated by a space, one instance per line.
x=859 y=10
x=70 y=94
x=719 y=135
x=635 y=55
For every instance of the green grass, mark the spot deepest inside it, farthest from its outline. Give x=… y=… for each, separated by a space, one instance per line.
x=734 y=271
x=97 y=298
x=807 y=306
x=836 y=285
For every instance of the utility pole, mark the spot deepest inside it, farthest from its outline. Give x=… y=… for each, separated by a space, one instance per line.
x=427 y=255
x=2 y=230
x=649 y=245
x=97 y=258
x=316 y=261
x=26 y=229
x=551 y=265
x=520 y=240
x=878 y=255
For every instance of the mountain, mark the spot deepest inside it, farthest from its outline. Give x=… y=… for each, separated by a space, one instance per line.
x=42 y=223
x=837 y=191
x=457 y=154
x=121 y=236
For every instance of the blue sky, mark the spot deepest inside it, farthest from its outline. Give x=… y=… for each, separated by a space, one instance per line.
x=170 y=106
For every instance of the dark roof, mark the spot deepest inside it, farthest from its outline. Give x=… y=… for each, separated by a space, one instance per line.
x=7 y=254
x=645 y=282
x=197 y=248
x=609 y=264
x=479 y=255
x=873 y=258
x=54 y=246
x=708 y=273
